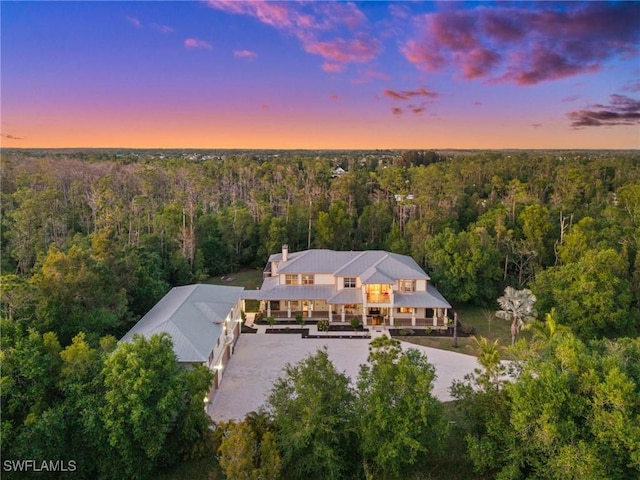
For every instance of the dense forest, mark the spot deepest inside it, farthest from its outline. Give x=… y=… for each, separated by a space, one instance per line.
x=92 y=239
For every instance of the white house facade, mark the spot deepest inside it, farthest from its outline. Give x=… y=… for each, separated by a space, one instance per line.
x=377 y=287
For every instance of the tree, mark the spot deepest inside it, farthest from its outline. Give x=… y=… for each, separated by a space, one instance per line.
x=517 y=307
x=592 y=295
x=143 y=402
x=400 y=421
x=465 y=266
x=312 y=411
x=249 y=452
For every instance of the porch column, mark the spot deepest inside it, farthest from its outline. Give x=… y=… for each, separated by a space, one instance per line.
x=342 y=313
x=435 y=317
x=268 y=308
x=364 y=317
x=310 y=308
x=330 y=315
x=288 y=308
x=391 y=319
x=445 y=317
x=413 y=317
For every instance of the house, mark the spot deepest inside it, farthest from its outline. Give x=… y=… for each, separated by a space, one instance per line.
x=203 y=322
x=376 y=287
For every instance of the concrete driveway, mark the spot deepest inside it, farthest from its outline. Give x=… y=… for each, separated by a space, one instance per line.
x=259 y=360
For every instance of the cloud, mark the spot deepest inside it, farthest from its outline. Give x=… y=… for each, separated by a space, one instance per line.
x=332 y=67
x=356 y=50
x=311 y=23
x=162 y=28
x=571 y=98
x=525 y=46
x=407 y=94
x=10 y=137
x=134 y=21
x=264 y=106
x=334 y=96
x=621 y=110
x=196 y=43
x=396 y=110
x=631 y=87
x=536 y=125
x=248 y=54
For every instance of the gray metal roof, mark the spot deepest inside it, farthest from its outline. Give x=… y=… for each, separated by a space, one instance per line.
x=350 y=264
x=313 y=261
x=346 y=296
x=429 y=299
x=193 y=316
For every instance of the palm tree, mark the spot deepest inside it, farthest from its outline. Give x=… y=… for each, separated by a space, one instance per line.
x=517 y=307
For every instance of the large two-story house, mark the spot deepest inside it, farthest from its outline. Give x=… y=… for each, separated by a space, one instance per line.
x=377 y=287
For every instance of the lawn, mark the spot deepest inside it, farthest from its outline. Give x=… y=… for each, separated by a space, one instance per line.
x=250 y=279
x=484 y=323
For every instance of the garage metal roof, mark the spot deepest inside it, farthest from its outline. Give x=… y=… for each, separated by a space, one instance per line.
x=193 y=316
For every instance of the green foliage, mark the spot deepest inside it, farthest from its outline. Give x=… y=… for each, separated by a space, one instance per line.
x=76 y=292
x=143 y=402
x=591 y=295
x=249 y=451
x=572 y=412
x=312 y=410
x=400 y=421
x=323 y=325
x=465 y=266
x=355 y=323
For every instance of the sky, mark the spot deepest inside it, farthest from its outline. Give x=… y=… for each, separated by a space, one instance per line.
x=320 y=75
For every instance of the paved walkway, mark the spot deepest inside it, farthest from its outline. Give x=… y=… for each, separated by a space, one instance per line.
x=259 y=360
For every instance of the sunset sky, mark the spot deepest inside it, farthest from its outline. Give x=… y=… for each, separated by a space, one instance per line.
x=320 y=75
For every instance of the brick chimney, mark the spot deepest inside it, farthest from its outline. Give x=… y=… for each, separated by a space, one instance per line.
x=285 y=252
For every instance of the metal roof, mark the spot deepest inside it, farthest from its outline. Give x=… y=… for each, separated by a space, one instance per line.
x=346 y=296
x=193 y=316
x=351 y=264
x=429 y=299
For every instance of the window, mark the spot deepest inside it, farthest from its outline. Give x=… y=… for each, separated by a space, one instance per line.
x=349 y=282
x=308 y=280
x=407 y=286
x=291 y=279
x=405 y=310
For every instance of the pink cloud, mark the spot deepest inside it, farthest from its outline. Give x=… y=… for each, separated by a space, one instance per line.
x=621 y=110
x=525 y=46
x=407 y=94
x=196 y=43
x=396 y=110
x=334 y=96
x=332 y=67
x=248 y=54
x=311 y=23
x=357 y=50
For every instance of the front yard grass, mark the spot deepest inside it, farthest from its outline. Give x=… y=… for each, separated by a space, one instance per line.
x=484 y=323
x=250 y=279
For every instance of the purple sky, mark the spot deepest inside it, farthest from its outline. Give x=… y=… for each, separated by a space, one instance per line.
x=231 y=74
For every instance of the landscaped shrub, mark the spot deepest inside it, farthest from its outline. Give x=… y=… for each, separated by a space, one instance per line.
x=355 y=323
x=405 y=332
x=323 y=325
x=271 y=320
x=466 y=329
x=300 y=320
